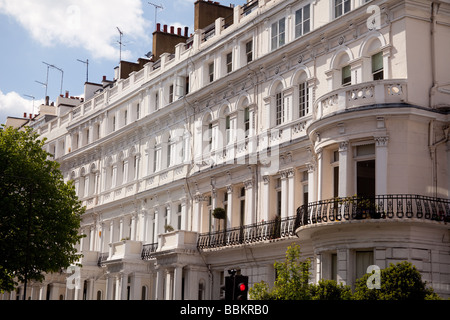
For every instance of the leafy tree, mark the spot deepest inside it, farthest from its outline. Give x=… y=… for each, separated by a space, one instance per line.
x=330 y=290
x=39 y=214
x=401 y=281
x=292 y=281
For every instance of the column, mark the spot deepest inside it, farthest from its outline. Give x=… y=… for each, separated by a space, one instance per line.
x=109 y=287
x=177 y=283
x=344 y=170
x=123 y=279
x=121 y=228
x=197 y=212
x=156 y=229
x=133 y=228
x=90 y=295
x=159 y=283
x=142 y=225
x=381 y=157
x=284 y=194
x=265 y=198
x=111 y=237
x=229 y=205
x=184 y=219
x=291 y=193
x=92 y=238
x=169 y=285
x=319 y=173
x=311 y=181
x=249 y=202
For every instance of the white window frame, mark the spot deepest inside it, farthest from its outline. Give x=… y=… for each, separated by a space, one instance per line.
x=342 y=4
x=277 y=38
x=303 y=22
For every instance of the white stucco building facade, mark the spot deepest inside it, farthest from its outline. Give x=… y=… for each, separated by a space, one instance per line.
x=280 y=117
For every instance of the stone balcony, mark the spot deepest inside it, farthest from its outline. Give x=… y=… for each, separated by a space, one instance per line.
x=389 y=91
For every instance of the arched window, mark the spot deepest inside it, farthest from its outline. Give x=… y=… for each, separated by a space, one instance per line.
x=144 y=293
x=302 y=95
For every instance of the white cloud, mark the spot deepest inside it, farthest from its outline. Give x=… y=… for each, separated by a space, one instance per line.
x=81 y=23
x=13 y=104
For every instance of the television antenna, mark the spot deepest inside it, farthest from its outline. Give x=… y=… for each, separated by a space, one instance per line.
x=120 y=43
x=87 y=68
x=156 y=9
x=60 y=70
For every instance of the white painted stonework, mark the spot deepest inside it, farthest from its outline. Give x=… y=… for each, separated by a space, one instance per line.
x=309 y=120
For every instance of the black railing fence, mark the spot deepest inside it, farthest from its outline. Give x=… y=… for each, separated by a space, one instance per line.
x=148 y=250
x=400 y=206
x=261 y=231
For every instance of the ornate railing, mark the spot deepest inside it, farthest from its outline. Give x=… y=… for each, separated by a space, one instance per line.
x=402 y=206
x=102 y=257
x=148 y=250
x=262 y=231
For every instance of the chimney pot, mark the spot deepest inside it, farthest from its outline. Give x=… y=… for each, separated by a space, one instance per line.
x=179 y=31
x=67 y=94
x=24 y=114
x=172 y=29
x=186 y=29
x=104 y=78
x=165 y=28
x=158 y=27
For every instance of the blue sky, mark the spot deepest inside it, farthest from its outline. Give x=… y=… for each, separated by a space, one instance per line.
x=59 y=32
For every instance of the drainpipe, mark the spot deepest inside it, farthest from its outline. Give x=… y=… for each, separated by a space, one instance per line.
x=434 y=10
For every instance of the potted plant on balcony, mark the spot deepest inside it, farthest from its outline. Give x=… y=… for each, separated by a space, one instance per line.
x=219 y=213
x=168 y=228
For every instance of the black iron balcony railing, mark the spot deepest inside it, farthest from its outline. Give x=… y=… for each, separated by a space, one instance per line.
x=148 y=250
x=102 y=257
x=262 y=231
x=402 y=206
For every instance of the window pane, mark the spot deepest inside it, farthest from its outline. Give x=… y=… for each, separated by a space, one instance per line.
x=274 y=36
x=346 y=75
x=298 y=23
x=346 y=6
x=337 y=8
x=282 y=32
x=377 y=62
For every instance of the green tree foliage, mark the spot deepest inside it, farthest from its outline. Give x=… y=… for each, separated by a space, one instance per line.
x=401 y=281
x=39 y=214
x=292 y=283
x=398 y=282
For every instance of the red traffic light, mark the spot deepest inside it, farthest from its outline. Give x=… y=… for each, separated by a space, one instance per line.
x=242 y=287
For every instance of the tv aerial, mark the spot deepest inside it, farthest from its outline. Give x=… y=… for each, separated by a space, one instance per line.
x=156 y=9
x=120 y=43
x=87 y=68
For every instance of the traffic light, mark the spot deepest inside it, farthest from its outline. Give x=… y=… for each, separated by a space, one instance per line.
x=240 y=287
